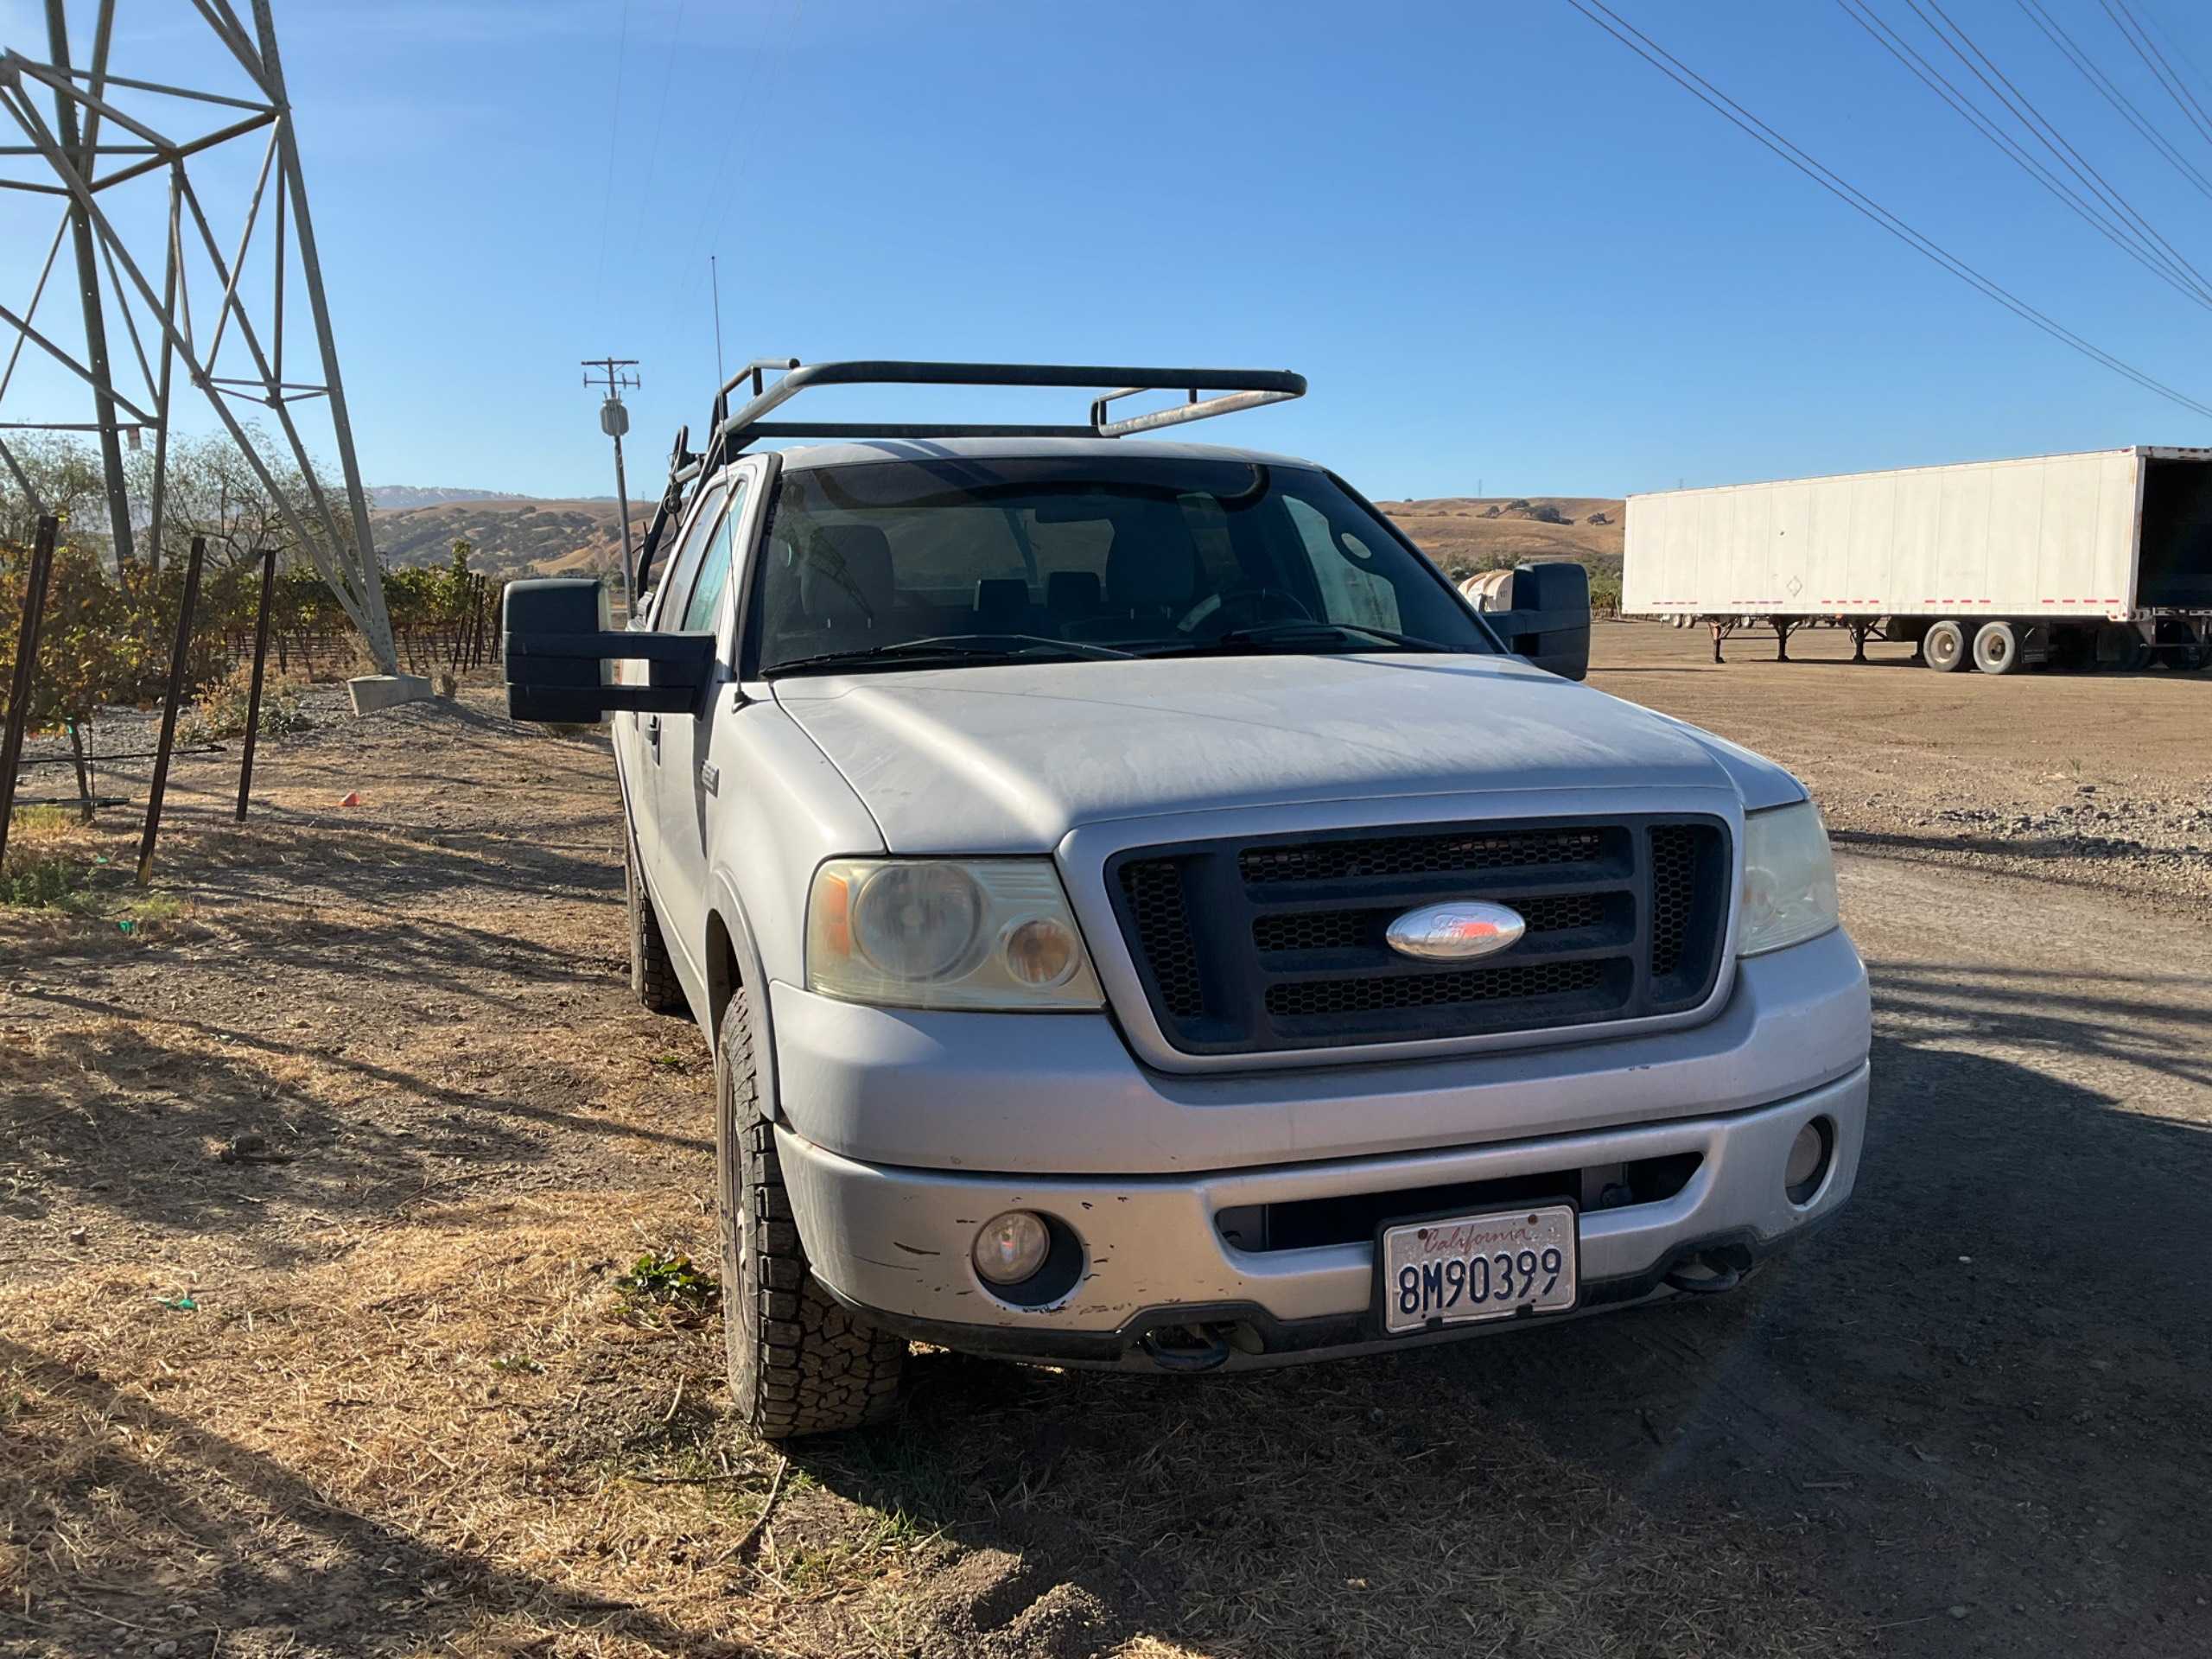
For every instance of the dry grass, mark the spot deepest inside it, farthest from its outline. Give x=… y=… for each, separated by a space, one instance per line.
x=411 y=1410
x=1455 y=530
x=58 y=863
x=462 y=1432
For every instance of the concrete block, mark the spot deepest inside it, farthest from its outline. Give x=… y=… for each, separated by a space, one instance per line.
x=370 y=692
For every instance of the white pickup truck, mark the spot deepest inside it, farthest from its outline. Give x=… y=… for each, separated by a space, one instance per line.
x=1144 y=918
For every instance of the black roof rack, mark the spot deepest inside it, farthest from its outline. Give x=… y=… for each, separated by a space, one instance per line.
x=732 y=432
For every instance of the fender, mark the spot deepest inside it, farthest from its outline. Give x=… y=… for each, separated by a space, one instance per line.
x=752 y=973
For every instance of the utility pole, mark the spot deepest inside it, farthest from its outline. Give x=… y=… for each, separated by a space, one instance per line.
x=614 y=421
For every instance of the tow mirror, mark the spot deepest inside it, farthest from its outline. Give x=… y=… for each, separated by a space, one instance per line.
x=1547 y=620
x=559 y=645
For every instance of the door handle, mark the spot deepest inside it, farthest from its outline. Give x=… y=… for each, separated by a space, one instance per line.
x=652 y=731
x=710 y=777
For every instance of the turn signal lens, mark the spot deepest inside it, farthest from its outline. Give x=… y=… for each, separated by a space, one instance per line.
x=1011 y=1247
x=1042 y=951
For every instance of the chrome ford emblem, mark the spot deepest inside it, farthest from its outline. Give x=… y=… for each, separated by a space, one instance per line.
x=1455 y=932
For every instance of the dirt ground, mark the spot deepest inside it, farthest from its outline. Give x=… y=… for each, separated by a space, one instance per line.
x=372 y=1383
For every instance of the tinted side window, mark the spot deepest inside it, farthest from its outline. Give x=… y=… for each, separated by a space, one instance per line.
x=713 y=568
x=669 y=611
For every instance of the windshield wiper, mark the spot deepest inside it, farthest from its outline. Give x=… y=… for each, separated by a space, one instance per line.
x=1283 y=633
x=962 y=647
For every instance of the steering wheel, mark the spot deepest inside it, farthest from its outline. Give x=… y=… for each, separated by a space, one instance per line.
x=1243 y=604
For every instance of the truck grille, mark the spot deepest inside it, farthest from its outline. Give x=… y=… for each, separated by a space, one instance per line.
x=1252 y=946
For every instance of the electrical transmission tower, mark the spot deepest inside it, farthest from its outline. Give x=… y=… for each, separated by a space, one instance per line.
x=116 y=157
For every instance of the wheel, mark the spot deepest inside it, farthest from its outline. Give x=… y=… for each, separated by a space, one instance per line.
x=652 y=976
x=799 y=1362
x=1943 y=647
x=2139 y=655
x=1997 y=648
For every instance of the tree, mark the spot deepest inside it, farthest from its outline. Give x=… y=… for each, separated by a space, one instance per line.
x=211 y=493
x=64 y=479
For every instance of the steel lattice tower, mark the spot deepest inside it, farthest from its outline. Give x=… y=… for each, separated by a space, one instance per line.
x=109 y=131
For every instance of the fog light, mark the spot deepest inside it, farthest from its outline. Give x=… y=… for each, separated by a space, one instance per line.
x=1809 y=1160
x=1011 y=1247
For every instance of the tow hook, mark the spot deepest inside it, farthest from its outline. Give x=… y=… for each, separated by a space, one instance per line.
x=1188 y=1347
x=1709 y=1272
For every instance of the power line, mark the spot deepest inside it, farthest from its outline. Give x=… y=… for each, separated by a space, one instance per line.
x=2038 y=127
x=1737 y=115
x=715 y=199
x=2118 y=235
x=613 y=143
x=2155 y=62
x=660 y=125
x=2175 y=46
x=2057 y=35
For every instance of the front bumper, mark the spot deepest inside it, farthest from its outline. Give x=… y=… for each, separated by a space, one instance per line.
x=894 y=1241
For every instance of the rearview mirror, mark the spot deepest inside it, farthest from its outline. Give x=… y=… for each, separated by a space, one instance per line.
x=1547 y=620
x=558 y=647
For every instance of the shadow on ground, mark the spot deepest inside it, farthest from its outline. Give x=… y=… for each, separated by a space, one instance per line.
x=1982 y=1389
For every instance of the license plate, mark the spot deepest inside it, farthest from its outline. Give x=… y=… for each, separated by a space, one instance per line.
x=1462 y=1269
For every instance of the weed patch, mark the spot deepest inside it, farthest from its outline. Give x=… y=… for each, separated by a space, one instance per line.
x=222 y=709
x=664 y=1285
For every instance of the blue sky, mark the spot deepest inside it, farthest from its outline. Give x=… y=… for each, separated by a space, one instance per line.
x=1504 y=249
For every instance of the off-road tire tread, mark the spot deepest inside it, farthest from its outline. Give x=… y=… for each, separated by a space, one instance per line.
x=800 y=1363
x=652 y=976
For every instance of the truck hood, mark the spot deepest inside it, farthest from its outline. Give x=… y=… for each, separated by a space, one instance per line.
x=1009 y=759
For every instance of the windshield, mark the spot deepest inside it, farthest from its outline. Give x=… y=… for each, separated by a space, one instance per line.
x=1084 y=556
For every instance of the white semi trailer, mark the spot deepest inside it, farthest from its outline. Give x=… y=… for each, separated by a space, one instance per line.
x=2095 y=559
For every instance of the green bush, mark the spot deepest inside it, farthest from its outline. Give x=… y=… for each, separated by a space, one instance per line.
x=221 y=709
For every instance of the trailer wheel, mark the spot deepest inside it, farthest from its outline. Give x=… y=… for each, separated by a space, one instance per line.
x=1997 y=648
x=1943 y=647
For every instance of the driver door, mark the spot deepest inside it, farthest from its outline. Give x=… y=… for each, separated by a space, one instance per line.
x=692 y=793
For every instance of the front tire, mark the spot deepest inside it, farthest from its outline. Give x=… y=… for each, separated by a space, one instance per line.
x=652 y=976
x=800 y=1363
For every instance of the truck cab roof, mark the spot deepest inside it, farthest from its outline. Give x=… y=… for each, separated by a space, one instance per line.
x=859 y=453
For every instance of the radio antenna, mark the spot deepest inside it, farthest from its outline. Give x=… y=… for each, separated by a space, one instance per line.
x=715 y=282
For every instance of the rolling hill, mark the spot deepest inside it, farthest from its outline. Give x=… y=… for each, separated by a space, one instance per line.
x=512 y=536
x=1485 y=532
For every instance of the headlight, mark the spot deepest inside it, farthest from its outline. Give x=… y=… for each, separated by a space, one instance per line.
x=1789 y=879
x=938 y=933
